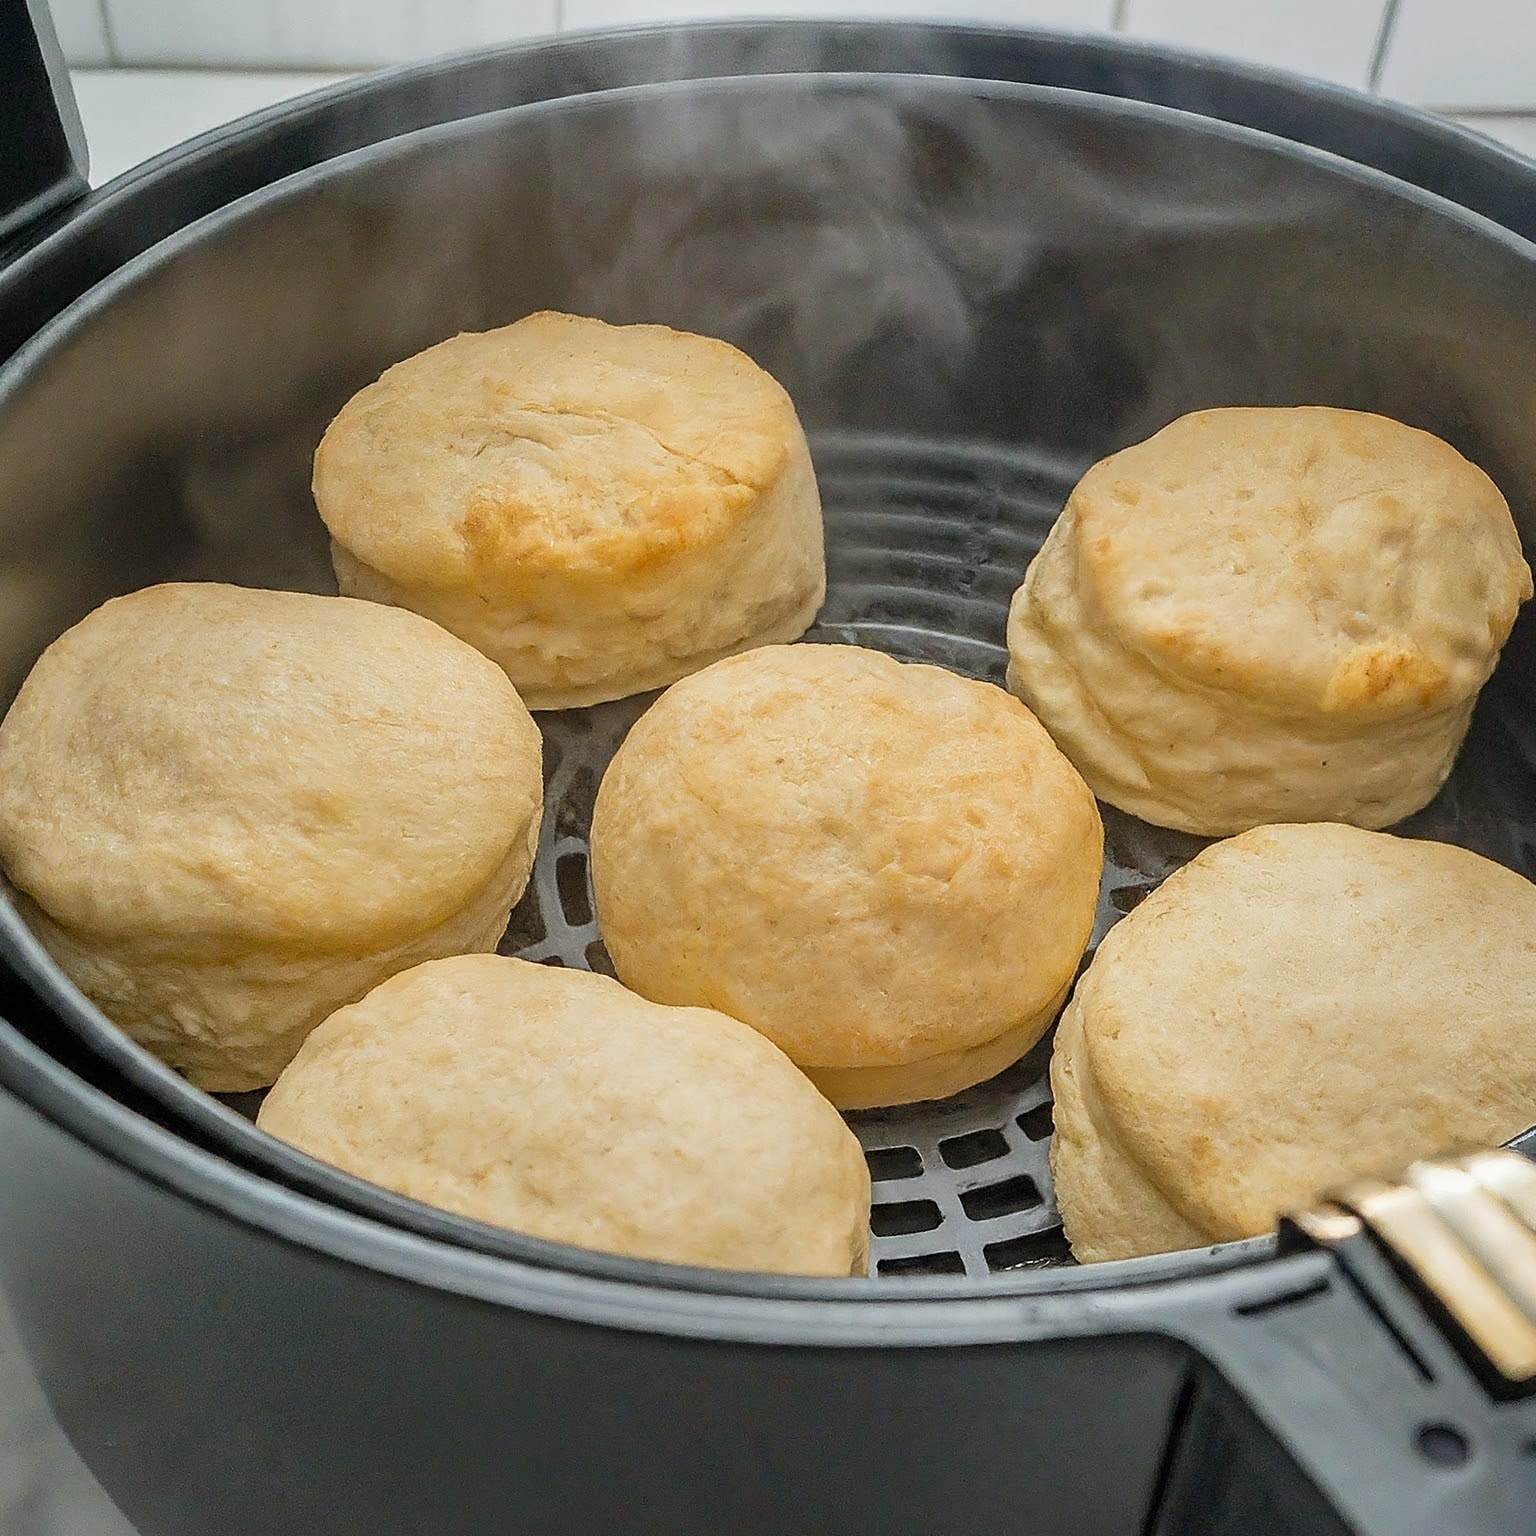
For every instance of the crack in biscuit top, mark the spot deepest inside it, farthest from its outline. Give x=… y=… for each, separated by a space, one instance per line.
x=1306 y=558
x=557 y=444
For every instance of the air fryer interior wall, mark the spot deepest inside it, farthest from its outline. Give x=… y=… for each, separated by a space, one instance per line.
x=970 y=290
x=71 y=251
x=229 y=1356
x=1052 y=274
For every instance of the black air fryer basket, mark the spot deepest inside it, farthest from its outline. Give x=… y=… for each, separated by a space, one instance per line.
x=978 y=259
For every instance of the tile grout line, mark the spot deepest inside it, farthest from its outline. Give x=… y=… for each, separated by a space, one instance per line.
x=108 y=33
x=1384 y=31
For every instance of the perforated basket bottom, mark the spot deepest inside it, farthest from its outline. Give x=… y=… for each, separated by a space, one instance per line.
x=926 y=544
x=924 y=550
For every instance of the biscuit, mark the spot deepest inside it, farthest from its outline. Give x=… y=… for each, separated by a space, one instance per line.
x=1298 y=1006
x=599 y=509
x=226 y=812
x=886 y=868
x=1264 y=615
x=555 y=1103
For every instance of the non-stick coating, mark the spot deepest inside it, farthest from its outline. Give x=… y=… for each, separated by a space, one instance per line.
x=968 y=290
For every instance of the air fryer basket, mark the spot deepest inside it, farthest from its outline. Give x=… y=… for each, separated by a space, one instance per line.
x=926 y=542
x=971 y=291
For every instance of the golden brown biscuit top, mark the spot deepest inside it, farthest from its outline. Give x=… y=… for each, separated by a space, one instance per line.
x=1308 y=557
x=891 y=770
x=556 y=443
x=890 y=827
x=1303 y=1003
x=556 y=1102
x=197 y=762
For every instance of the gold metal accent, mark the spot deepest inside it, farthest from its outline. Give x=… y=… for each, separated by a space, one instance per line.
x=1508 y=1175
x=1327 y=1224
x=1465 y=1228
x=1465 y=1247
x=1488 y=1228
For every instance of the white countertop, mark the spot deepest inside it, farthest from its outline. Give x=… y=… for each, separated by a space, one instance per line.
x=45 y=1489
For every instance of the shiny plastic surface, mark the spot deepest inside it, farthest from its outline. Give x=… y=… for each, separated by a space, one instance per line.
x=44 y=162
x=1059 y=276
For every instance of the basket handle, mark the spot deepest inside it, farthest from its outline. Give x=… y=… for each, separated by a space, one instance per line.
x=43 y=162
x=1402 y=1383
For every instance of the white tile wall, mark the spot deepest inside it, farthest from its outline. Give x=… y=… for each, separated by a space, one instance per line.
x=1075 y=15
x=1463 y=53
x=82 y=31
x=314 y=33
x=1330 y=39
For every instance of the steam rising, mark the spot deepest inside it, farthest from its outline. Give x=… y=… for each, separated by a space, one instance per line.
x=862 y=224
x=816 y=226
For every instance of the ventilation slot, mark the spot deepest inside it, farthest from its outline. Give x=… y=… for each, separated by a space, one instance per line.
x=1005 y=1199
x=525 y=930
x=888 y=1163
x=575 y=897
x=1035 y=1250
x=973 y=1148
x=898 y=1217
x=1037 y=1123
x=923 y=1264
